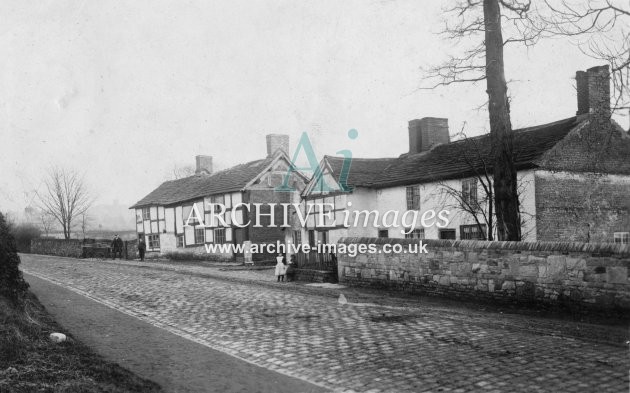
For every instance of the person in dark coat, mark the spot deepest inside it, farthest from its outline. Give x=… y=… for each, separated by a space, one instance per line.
x=291 y=268
x=117 y=246
x=142 y=247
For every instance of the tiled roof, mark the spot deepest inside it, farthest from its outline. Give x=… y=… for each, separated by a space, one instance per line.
x=197 y=186
x=453 y=160
x=363 y=171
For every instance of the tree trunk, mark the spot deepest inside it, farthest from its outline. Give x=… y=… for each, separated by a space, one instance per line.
x=505 y=187
x=66 y=230
x=490 y=217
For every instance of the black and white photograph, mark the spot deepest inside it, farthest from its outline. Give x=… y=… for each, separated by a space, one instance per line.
x=284 y=196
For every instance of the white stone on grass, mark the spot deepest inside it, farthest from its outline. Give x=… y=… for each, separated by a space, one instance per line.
x=57 y=337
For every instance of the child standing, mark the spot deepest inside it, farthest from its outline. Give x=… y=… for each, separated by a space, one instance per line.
x=281 y=267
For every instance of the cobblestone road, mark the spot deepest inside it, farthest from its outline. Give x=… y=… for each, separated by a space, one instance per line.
x=348 y=347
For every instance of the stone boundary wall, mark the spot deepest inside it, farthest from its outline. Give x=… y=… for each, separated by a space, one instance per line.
x=575 y=275
x=73 y=248
x=58 y=247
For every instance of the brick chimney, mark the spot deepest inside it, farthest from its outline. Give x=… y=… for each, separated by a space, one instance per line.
x=426 y=133
x=277 y=142
x=581 y=82
x=204 y=165
x=593 y=91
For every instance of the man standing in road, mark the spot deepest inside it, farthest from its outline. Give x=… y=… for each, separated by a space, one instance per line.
x=142 y=247
x=117 y=246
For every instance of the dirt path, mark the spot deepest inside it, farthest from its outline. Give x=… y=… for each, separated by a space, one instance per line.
x=176 y=363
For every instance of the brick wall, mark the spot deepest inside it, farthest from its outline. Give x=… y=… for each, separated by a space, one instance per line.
x=581 y=207
x=267 y=234
x=575 y=275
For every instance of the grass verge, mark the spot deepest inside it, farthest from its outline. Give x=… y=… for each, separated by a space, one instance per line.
x=29 y=361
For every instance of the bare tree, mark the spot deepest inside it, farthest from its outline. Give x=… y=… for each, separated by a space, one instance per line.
x=85 y=222
x=47 y=220
x=65 y=197
x=180 y=172
x=479 y=24
x=601 y=29
x=467 y=200
x=473 y=196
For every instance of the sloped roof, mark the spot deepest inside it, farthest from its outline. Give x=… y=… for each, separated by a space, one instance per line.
x=453 y=160
x=462 y=158
x=363 y=171
x=197 y=186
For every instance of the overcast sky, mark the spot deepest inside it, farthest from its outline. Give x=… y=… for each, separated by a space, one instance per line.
x=125 y=90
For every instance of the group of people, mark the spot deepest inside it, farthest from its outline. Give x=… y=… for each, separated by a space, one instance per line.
x=284 y=269
x=118 y=245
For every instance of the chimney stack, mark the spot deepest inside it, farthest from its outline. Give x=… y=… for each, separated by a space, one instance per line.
x=204 y=165
x=277 y=142
x=593 y=91
x=426 y=133
x=581 y=81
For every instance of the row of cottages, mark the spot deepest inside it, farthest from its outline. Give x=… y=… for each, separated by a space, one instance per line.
x=573 y=181
x=162 y=214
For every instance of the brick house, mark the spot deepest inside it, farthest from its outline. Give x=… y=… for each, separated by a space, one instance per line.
x=162 y=214
x=573 y=176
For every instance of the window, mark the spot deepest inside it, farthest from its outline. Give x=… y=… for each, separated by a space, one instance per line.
x=413 y=198
x=311 y=238
x=447 y=234
x=469 y=192
x=154 y=241
x=218 y=200
x=415 y=234
x=180 y=240
x=622 y=237
x=297 y=237
x=322 y=237
x=190 y=216
x=146 y=213
x=383 y=233
x=219 y=235
x=139 y=214
x=472 y=232
x=200 y=236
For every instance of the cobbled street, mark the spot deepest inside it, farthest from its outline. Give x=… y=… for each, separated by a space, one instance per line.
x=348 y=347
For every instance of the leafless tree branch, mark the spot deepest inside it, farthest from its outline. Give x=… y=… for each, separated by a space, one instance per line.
x=65 y=197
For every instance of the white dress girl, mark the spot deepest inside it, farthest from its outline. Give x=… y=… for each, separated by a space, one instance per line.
x=281 y=268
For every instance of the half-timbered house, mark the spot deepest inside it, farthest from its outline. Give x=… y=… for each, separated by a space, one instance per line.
x=164 y=218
